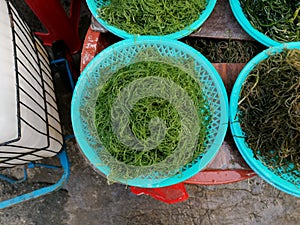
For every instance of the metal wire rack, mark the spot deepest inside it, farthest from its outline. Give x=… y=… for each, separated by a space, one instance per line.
x=38 y=132
x=31 y=128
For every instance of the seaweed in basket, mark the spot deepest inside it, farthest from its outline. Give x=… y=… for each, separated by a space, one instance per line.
x=278 y=19
x=151 y=17
x=147 y=109
x=269 y=111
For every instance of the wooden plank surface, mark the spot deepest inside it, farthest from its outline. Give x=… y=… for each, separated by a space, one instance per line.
x=222 y=24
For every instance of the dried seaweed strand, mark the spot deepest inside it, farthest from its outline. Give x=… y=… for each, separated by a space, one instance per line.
x=269 y=111
x=278 y=19
x=225 y=51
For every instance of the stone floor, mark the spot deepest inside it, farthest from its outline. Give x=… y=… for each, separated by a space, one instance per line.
x=87 y=199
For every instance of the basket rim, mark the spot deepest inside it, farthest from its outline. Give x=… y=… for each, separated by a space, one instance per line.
x=256 y=165
x=246 y=25
x=176 y=35
x=207 y=157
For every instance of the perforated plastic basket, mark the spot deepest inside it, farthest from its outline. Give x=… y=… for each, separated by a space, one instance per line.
x=286 y=181
x=244 y=22
x=122 y=53
x=93 y=5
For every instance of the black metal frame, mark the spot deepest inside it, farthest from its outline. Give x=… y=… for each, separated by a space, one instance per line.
x=39 y=59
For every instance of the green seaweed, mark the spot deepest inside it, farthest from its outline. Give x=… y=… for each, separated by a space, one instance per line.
x=151 y=17
x=145 y=110
x=278 y=19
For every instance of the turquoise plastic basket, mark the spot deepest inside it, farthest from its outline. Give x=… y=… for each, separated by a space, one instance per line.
x=286 y=181
x=123 y=52
x=246 y=25
x=94 y=5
